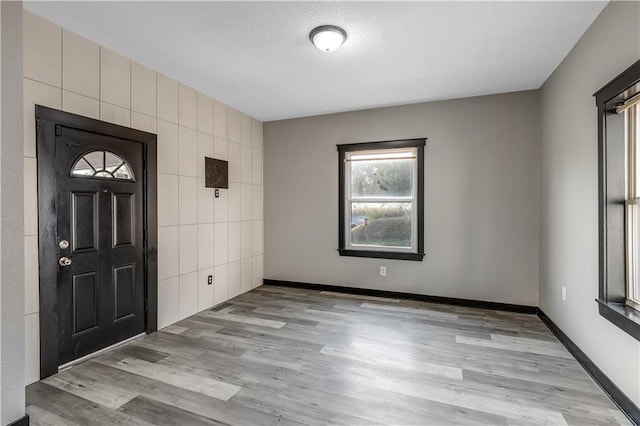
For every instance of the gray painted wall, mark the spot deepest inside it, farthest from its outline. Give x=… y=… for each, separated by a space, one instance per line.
x=481 y=189
x=12 y=395
x=569 y=189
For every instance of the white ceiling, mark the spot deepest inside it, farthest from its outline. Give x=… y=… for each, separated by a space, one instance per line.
x=257 y=57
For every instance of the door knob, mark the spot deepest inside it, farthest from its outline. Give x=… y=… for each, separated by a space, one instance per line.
x=64 y=261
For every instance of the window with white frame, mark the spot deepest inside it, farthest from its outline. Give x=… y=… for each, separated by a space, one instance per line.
x=381 y=199
x=632 y=139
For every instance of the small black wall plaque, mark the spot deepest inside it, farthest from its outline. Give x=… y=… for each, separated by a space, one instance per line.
x=216 y=173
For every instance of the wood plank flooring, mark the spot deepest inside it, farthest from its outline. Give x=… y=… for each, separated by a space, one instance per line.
x=281 y=356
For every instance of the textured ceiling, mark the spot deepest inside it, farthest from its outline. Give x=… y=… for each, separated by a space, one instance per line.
x=257 y=57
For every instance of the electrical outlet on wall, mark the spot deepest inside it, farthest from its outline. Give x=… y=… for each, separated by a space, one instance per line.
x=564 y=294
x=383 y=271
x=210 y=280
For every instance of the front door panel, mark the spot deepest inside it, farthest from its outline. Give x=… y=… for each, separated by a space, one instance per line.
x=101 y=271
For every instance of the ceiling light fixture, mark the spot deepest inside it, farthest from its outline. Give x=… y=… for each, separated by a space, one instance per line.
x=327 y=37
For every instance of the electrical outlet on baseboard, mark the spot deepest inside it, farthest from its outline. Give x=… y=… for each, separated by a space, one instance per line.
x=210 y=280
x=383 y=271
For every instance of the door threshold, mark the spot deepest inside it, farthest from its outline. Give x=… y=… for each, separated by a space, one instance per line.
x=70 y=364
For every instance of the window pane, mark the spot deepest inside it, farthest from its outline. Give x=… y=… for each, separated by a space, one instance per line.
x=633 y=257
x=123 y=172
x=96 y=159
x=634 y=134
x=381 y=224
x=82 y=168
x=102 y=164
x=112 y=161
x=382 y=178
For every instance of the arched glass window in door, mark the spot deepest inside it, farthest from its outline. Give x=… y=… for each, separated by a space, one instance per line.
x=102 y=165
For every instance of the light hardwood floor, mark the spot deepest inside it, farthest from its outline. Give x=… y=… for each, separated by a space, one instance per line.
x=280 y=356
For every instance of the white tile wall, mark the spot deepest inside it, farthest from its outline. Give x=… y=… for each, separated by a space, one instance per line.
x=245 y=239
x=233 y=150
x=246 y=276
x=245 y=129
x=168 y=257
x=115 y=78
x=42 y=50
x=221 y=249
x=256 y=202
x=205 y=203
x=233 y=201
x=31 y=299
x=256 y=238
x=221 y=207
x=205 y=246
x=256 y=271
x=32 y=347
x=221 y=283
x=233 y=123
x=234 y=279
x=188 y=295
x=168 y=306
x=143 y=122
x=187 y=107
x=143 y=89
x=205 y=149
x=80 y=104
x=188 y=200
x=219 y=119
x=167 y=99
x=167 y=147
x=188 y=152
x=205 y=291
x=256 y=134
x=168 y=207
x=80 y=65
x=220 y=149
x=205 y=114
x=188 y=248
x=36 y=93
x=256 y=166
x=245 y=164
x=115 y=114
x=30 y=172
x=234 y=241
x=103 y=84
x=245 y=201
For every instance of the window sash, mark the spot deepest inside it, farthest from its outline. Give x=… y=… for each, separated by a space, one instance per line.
x=350 y=199
x=632 y=249
x=381 y=199
x=632 y=206
x=374 y=247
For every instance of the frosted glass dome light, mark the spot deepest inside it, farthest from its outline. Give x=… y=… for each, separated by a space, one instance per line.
x=327 y=37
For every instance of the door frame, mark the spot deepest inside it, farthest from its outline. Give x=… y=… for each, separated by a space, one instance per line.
x=48 y=124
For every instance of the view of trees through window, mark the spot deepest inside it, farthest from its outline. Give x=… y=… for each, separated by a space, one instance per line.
x=381 y=202
x=382 y=178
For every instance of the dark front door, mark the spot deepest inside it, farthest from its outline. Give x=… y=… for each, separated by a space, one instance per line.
x=100 y=228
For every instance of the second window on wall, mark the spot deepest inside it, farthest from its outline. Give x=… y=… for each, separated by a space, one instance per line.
x=618 y=105
x=381 y=199
x=632 y=125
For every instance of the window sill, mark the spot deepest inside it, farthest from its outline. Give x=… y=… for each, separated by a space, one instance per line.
x=382 y=254
x=622 y=316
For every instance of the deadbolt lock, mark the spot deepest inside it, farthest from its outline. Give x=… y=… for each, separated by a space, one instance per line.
x=63 y=244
